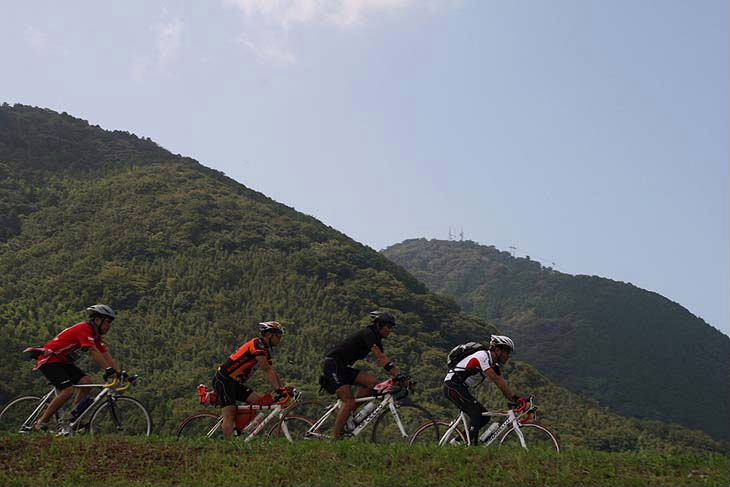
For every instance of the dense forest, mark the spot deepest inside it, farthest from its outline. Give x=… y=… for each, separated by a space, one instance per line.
x=631 y=349
x=194 y=260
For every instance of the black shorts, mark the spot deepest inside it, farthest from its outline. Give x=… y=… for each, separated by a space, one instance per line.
x=229 y=390
x=62 y=376
x=336 y=374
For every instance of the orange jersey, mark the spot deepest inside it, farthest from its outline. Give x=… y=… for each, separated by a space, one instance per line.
x=241 y=364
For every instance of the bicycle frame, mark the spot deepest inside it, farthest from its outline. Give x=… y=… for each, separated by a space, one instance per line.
x=387 y=401
x=107 y=389
x=511 y=421
x=276 y=410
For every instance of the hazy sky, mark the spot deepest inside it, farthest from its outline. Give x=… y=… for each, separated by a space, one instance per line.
x=588 y=134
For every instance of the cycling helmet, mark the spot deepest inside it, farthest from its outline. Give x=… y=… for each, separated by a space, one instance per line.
x=502 y=341
x=271 y=327
x=101 y=310
x=381 y=317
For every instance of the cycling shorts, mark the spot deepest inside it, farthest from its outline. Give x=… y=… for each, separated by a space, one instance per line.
x=336 y=374
x=62 y=376
x=229 y=390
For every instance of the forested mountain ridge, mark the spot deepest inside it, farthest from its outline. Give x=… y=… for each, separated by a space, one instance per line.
x=193 y=260
x=633 y=350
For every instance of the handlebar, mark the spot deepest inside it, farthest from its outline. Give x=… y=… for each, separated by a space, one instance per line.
x=123 y=378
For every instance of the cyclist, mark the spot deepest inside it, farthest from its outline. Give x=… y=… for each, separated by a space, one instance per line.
x=471 y=371
x=56 y=358
x=339 y=377
x=230 y=377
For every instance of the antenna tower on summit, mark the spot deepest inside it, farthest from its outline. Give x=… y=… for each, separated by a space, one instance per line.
x=461 y=235
x=451 y=236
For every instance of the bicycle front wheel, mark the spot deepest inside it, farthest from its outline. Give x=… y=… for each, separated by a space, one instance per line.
x=123 y=415
x=303 y=411
x=291 y=427
x=536 y=436
x=429 y=433
x=411 y=416
x=15 y=417
x=200 y=425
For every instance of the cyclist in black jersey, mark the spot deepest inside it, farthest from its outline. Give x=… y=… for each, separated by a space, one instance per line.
x=339 y=377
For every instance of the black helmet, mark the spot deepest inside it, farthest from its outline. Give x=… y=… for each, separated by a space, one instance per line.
x=381 y=317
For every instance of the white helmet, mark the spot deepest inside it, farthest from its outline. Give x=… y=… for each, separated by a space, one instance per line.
x=101 y=310
x=502 y=341
x=271 y=327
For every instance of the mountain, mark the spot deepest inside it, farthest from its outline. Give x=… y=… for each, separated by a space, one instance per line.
x=631 y=349
x=193 y=260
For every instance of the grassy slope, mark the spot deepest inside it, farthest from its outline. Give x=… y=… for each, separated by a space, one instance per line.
x=163 y=461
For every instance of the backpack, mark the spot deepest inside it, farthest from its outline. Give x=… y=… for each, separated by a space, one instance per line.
x=459 y=352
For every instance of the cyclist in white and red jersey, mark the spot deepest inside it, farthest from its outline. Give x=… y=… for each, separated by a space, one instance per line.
x=470 y=372
x=56 y=358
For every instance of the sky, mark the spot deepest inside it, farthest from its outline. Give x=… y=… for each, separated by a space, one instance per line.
x=590 y=135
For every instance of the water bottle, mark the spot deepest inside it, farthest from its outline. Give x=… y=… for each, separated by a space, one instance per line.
x=254 y=423
x=80 y=408
x=488 y=431
x=364 y=412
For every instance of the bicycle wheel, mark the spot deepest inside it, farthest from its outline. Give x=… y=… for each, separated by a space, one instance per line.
x=536 y=436
x=291 y=427
x=16 y=417
x=123 y=415
x=306 y=410
x=412 y=416
x=430 y=433
x=199 y=425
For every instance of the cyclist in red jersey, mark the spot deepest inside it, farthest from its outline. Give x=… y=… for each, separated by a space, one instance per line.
x=230 y=377
x=56 y=358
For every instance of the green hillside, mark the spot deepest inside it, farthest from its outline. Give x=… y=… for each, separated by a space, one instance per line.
x=631 y=349
x=193 y=260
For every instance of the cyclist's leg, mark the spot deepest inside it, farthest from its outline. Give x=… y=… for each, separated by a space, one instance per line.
x=344 y=392
x=366 y=381
x=81 y=378
x=225 y=388
x=459 y=394
x=59 y=377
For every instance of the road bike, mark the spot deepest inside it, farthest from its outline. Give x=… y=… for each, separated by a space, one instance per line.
x=393 y=415
x=519 y=428
x=108 y=412
x=251 y=421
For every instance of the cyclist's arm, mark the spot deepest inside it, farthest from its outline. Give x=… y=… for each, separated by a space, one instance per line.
x=501 y=383
x=103 y=359
x=111 y=360
x=269 y=371
x=383 y=360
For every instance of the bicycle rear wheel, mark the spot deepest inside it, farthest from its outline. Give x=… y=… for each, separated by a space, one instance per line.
x=199 y=425
x=15 y=416
x=123 y=415
x=412 y=416
x=536 y=436
x=429 y=433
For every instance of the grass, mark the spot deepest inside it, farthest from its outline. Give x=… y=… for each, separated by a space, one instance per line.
x=44 y=460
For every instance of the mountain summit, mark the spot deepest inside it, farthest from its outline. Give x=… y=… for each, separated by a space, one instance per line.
x=633 y=350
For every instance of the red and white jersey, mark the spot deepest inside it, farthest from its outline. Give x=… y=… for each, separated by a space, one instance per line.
x=470 y=370
x=62 y=349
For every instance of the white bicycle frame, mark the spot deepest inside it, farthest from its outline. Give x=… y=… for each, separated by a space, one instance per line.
x=275 y=414
x=512 y=420
x=387 y=402
x=110 y=388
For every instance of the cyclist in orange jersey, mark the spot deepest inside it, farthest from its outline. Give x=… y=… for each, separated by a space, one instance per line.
x=230 y=377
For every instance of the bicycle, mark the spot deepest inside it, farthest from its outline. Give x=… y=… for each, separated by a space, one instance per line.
x=519 y=428
x=209 y=424
x=108 y=412
x=395 y=418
